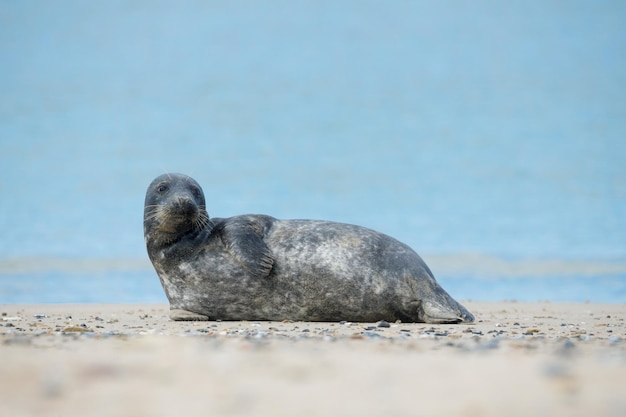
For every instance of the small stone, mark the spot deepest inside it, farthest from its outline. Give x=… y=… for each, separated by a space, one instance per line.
x=567 y=346
x=76 y=329
x=383 y=323
x=491 y=344
x=41 y=316
x=372 y=335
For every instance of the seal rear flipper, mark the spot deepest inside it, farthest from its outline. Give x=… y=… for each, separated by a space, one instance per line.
x=178 y=314
x=244 y=240
x=436 y=311
x=449 y=311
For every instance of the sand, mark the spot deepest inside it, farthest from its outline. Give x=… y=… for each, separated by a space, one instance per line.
x=518 y=359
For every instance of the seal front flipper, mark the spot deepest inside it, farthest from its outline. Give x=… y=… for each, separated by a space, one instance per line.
x=243 y=238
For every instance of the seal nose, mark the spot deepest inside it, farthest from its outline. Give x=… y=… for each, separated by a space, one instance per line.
x=185 y=206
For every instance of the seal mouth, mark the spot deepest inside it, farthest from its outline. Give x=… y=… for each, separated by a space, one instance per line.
x=176 y=218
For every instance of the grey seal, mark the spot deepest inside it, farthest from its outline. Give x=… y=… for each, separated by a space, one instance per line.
x=256 y=267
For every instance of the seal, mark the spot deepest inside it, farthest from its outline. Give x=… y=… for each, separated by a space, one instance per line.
x=256 y=267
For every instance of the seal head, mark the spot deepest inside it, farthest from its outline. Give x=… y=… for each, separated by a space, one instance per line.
x=174 y=208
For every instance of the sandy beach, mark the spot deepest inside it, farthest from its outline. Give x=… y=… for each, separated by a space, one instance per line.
x=517 y=359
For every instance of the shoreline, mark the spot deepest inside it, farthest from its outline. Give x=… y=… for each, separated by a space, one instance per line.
x=560 y=359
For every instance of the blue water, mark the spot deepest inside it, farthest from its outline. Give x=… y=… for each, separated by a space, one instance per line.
x=482 y=130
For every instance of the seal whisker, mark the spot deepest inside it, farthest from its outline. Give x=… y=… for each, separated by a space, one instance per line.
x=152 y=212
x=202 y=221
x=153 y=208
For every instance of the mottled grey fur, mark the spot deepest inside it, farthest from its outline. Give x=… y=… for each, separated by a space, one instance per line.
x=255 y=267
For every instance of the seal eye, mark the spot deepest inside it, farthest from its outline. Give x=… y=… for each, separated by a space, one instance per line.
x=161 y=188
x=196 y=191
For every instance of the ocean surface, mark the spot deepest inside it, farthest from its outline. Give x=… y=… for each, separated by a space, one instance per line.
x=490 y=136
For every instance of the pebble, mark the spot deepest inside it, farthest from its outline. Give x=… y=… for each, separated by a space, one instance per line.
x=491 y=344
x=372 y=335
x=383 y=323
x=566 y=347
x=77 y=329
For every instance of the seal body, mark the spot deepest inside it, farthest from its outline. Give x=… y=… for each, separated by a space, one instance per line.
x=256 y=267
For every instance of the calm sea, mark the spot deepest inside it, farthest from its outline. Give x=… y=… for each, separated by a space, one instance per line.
x=488 y=135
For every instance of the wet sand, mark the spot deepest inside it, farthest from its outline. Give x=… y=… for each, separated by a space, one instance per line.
x=518 y=359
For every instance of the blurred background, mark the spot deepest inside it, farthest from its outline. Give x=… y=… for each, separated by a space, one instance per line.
x=490 y=136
